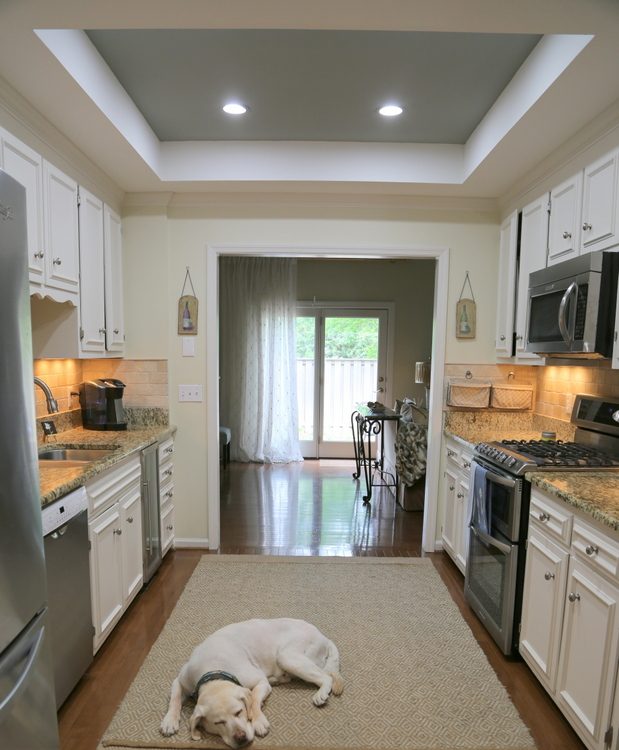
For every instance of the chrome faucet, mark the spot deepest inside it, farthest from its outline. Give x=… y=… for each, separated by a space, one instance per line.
x=52 y=404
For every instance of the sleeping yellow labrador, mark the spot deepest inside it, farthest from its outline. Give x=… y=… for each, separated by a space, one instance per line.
x=231 y=672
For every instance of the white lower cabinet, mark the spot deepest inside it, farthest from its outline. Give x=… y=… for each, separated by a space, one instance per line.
x=569 y=632
x=455 y=500
x=115 y=533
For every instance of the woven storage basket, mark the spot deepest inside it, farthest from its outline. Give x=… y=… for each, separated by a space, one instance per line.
x=511 y=396
x=468 y=393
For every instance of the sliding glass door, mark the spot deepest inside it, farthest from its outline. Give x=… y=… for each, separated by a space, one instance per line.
x=341 y=363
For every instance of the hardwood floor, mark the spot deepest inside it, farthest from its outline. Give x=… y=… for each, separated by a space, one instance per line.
x=324 y=516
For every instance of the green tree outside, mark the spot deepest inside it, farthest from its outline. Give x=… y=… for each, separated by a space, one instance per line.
x=345 y=338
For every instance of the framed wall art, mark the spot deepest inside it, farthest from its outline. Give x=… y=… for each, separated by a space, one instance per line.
x=188 y=310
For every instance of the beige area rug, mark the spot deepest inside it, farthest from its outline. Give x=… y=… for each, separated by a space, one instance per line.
x=415 y=678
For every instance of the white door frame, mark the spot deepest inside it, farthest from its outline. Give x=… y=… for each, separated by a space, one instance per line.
x=389 y=350
x=430 y=538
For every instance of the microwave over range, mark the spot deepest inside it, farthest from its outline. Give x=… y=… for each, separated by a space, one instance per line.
x=571 y=307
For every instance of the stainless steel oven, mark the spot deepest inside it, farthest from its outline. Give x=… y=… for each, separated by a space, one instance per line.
x=495 y=563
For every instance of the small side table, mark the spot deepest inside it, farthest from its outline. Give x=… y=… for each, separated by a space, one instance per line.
x=367 y=423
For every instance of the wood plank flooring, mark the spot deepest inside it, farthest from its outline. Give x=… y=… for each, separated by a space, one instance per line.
x=324 y=515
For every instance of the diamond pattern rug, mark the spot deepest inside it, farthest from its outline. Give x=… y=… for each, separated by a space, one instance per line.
x=415 y=677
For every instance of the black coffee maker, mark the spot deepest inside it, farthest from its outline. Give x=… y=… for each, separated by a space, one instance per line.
x=102 y=404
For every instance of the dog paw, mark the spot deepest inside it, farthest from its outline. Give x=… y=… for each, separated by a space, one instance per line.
x=169 y=726
x=261 y=725
x=320 y=698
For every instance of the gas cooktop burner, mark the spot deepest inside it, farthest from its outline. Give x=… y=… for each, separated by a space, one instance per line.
x=558 y=453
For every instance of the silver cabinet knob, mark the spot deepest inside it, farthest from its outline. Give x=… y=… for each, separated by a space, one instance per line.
x=169 y=450
x=586 y=226
x=451 y=488
x=549 y=576
x=574 y=597
x=518 y=338
x=39 y=255
x=466 y=464
x=118 y=531
x=170 y=528
x=101 y=330
x=57 y=261
x=460 y=495
x=450 y=453
x=130 y=519
x=567 y=235
x=116 y=331
x=591 y=549
x=543 y=517
x=169 y=493
x=168 y=472
x=502 y=337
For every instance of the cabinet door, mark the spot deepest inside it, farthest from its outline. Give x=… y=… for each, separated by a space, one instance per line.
x=450 y=522
x=92 y=312
x=506 y=286
x=588 y=661
x=462 y=523
x=132 y=557
x=61 y=229
x=106 y=571
x=600 y=204
x=114 y=316
x=533 y=251
x=543 y=600
x=564 y=224
x=26 y=166
x=615 y=361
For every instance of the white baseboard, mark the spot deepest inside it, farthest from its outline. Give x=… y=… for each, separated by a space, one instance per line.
x=190 y=543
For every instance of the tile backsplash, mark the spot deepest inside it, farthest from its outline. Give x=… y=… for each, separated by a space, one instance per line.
x=146 y=380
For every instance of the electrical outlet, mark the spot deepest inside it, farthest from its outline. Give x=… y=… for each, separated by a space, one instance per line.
x=190 y=393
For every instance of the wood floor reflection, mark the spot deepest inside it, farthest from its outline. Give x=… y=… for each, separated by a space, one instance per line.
x=312 y=508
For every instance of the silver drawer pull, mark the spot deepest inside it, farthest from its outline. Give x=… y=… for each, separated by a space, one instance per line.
x=130 y=519
x=168 y=472
x=39 y=255
x=57 y=262
x=169 y=493
x=451 y=488
x=450 y=453
x=549 y=576
x=170 y=528
x=101 y=330
x=543 y=517
x=574 y=597
x=460 y=495
x=116 y=331
x=567 y=235
x=467 y=464
x=591 y=549
x=169 y=450
x=586 y=226
x=502 y=337
x=118 y=531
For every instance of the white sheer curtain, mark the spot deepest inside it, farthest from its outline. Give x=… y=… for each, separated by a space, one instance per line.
x=258 y=387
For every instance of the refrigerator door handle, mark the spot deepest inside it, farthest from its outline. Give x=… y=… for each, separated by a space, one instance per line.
x=29 y=651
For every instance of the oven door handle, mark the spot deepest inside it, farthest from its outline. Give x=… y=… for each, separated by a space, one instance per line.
x=489 y=541
x=498 y=479
x=572 y=288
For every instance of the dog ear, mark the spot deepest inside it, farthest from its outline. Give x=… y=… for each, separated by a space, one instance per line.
x=248 y=700
x=196 y=718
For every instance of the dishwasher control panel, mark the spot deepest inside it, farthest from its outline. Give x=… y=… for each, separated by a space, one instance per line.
x=63 y=510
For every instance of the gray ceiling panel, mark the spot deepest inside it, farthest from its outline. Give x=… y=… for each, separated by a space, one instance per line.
x=312 y=85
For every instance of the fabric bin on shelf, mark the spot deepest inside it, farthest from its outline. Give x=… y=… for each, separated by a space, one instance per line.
x=511 y=396
x=468 y=393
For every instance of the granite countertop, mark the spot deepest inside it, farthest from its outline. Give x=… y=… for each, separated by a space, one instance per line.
x=594 y=492
x=56 y=481
x=470 y=437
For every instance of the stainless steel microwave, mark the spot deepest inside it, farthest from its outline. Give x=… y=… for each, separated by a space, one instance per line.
x=571 y=307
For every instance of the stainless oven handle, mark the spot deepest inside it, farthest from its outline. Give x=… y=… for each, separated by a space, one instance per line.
x=573 y=287
x=498 y=479
x=488 y=541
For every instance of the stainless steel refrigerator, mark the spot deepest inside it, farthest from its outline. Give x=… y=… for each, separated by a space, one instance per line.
x=27 y=704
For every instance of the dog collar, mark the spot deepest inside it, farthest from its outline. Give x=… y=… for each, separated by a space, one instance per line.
x=210 y=676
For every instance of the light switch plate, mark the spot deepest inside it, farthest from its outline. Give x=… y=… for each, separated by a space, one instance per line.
x=190 y=393
x=189 y=346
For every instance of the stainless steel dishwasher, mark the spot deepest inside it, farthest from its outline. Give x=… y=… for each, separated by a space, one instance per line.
x=65 y=532
x=151 y=521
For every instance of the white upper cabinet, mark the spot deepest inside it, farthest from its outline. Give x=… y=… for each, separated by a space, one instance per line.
x=506 y=286
x=564 y=225
x=114 y=317
x=600 y=204
x=61 y=230
x=532 y=257
x=26 y=166
x=92 y=301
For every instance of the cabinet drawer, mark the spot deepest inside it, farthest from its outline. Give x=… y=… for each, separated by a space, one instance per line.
x=107 y=488
x=166 y=472
x=166 y=495
x=166 y=450
x=555 y=520
x=465 y=462
x=167 y=528
x=600 y=551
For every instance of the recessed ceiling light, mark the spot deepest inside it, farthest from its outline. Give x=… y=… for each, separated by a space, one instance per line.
x=390 y=110
x=234 y=108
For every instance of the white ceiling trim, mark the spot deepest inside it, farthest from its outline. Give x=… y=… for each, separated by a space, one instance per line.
x=288 y=161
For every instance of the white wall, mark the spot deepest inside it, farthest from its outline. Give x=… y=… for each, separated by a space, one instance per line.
x=153 y=285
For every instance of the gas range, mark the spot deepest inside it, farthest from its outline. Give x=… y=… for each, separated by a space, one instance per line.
x=596 y=445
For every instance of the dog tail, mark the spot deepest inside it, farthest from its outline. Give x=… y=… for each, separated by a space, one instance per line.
x=332 y=667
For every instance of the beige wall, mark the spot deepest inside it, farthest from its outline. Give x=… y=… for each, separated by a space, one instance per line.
x=408 y=284
x=159 y=247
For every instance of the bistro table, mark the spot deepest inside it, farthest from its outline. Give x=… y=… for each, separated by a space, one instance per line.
x=366 y=423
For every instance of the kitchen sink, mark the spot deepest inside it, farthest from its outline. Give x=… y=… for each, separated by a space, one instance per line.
x=73 y=455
